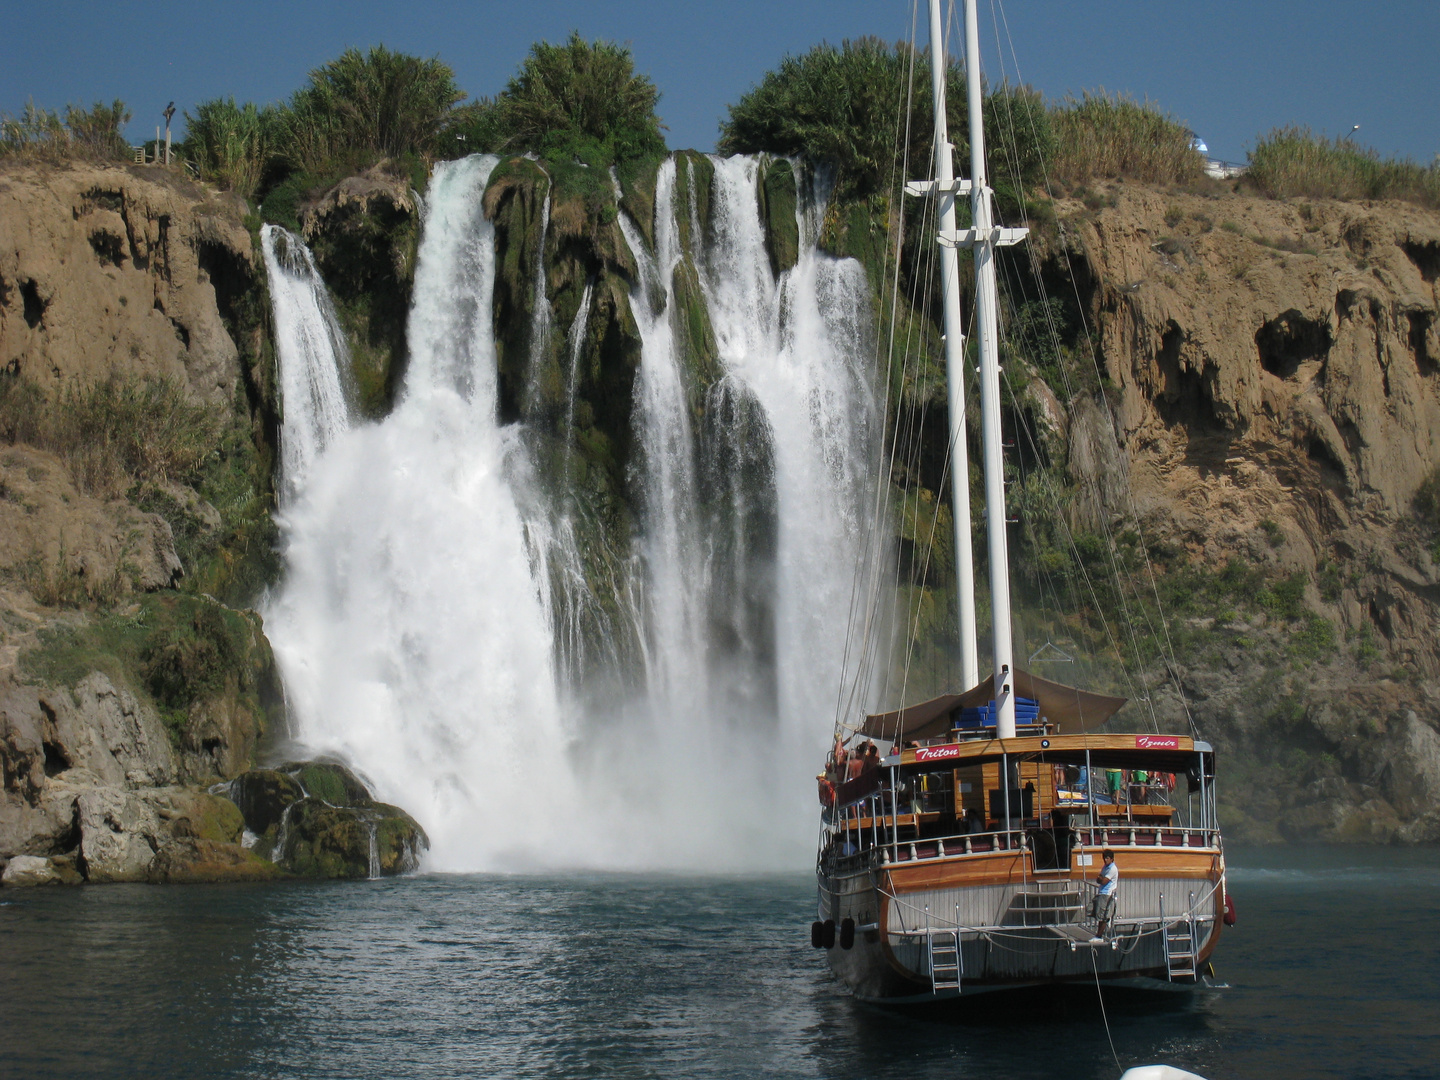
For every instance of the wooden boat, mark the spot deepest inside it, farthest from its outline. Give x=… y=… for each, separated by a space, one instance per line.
x=965 y=860
x=937 y=879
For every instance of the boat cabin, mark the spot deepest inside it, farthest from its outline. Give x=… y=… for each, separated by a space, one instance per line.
x=1056 y=788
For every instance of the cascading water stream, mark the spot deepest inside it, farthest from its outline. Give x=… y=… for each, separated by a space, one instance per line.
x=802 y=346
x=312 y=353
x=674 y=572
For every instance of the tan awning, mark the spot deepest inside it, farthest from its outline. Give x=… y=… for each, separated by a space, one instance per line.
x=1071 y=711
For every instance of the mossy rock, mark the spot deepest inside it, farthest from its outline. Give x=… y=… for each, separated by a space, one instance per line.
x=210 y=818
x=778 y=206
x=694 y=334
x=694 y=179
x=637 y=196
x=192 y=860
x=262 y=796
x=399 y=840
x=335 y=841
x=330 y=781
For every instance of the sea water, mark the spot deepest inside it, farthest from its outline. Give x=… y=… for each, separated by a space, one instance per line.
x=1330 y=973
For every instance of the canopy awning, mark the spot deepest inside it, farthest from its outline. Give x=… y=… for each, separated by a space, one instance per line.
x=1070 y=710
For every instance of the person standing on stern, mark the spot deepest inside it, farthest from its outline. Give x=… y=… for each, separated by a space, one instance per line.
x=1103 y=906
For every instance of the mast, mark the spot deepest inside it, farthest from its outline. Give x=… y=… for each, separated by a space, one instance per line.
x=983 y=241
x=945 y=191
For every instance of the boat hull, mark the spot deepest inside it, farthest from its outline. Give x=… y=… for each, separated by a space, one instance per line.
x=1010 y=927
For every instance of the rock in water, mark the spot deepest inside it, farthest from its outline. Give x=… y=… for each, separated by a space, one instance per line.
x=119 y=834
x=317 y=819
x=26 y=870
x=339 y=841
x=192 y=859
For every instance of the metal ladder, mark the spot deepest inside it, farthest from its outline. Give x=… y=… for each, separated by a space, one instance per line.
x=944 y=949
x=1181 y=948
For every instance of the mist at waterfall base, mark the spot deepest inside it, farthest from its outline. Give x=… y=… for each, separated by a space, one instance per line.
x=1330 y=972
x=425 y=627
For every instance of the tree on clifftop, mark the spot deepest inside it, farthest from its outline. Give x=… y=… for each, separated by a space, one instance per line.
x=580 y=99
x=847 y=107
x=380 y=102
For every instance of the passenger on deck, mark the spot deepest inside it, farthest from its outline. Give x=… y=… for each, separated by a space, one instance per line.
x=1115 y=783
x=827 y=791
x=872 y=756
x=1103 y=906
x=856 y=764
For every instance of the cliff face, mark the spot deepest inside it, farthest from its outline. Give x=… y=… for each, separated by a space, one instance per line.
x=1274 y=399
x=129 y=296
x=112 y=271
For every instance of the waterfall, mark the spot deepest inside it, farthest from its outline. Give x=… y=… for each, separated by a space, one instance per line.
x=433 y=623
x=803 y=347
x=312 y=354
x=540 y=317
x=674 y=583
x=411 y=631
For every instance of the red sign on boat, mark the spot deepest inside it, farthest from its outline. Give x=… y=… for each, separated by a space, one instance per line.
x=1157 y=742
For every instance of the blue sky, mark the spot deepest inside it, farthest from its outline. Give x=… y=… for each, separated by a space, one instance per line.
x=1233 y=70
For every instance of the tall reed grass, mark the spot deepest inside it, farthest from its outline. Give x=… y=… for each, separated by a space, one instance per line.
x=1294 y=162
x=40 y=134
x=1103 y=136
x=231 y=143
x=113 y=433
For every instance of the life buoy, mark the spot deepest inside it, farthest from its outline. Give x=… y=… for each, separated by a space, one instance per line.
x=817 y=934
x=847 y=933
x=1229 y=910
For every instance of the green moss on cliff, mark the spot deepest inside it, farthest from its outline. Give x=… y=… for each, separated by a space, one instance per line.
x=187 y=656
x=777 y=208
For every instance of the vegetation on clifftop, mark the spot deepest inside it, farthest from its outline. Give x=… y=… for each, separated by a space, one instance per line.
x=40 y=134
x=1294 y=162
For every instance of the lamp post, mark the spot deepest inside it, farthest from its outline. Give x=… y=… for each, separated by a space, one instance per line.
x=168 y=113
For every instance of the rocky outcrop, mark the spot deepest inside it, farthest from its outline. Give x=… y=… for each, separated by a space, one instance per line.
x=1272 y=409
x=364 y=232
x=317 y=819
x=108 y=270
x=65 y=544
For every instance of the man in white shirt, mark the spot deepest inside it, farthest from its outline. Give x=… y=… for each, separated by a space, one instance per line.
x=1104 y=903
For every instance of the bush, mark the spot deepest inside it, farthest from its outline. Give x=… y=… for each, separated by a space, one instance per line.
x=1293 y=162
x=576 y=100
x=92 y=134
x=1102 y=136
x=845 y=107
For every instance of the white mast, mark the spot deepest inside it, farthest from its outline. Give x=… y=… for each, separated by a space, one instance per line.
x=983 y=241
x=945 y=191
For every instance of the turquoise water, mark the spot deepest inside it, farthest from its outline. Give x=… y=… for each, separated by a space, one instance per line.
x=1331 y=972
